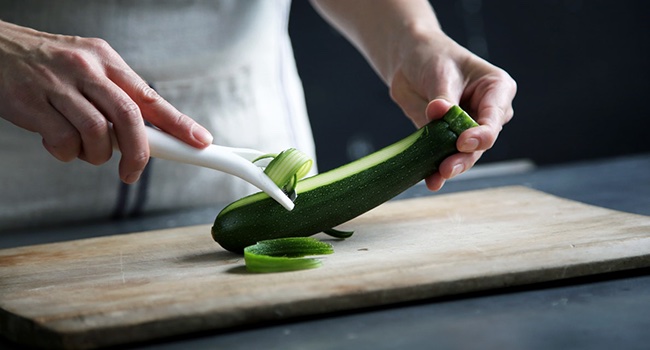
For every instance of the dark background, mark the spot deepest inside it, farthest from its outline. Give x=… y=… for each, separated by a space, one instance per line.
x=581 y=69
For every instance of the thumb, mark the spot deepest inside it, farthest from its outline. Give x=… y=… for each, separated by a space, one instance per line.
x=437 y=108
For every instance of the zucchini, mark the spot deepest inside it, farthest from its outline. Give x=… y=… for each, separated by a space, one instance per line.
x=285 y=254
x=339 y=195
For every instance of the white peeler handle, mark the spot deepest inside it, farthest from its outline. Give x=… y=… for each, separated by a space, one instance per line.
x=234 y=161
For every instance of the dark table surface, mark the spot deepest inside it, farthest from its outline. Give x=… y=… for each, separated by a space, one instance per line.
x=609 y=311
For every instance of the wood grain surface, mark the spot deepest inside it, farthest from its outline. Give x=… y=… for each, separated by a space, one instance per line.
x=121 y=289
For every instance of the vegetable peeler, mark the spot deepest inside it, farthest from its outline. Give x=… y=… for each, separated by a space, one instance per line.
x=231 y=160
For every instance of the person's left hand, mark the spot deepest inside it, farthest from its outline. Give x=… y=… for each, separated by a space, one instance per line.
x=439 y=73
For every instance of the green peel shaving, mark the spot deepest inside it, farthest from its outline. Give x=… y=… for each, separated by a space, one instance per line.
x=288 y=254
x=285 y=254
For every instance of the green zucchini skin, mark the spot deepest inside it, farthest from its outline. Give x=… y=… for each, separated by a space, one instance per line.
x=338 y=200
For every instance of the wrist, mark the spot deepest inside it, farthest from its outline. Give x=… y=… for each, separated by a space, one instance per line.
x=18 y=40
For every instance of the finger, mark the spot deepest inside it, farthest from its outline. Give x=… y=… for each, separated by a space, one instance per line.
x=480 y=138
x=411 y=103
x=467 y=142
x=128 y=125
x=435 y=182
x=492 y=99
x=484 y=136
x=458 y=163
x=448 y=86
x=159 y=111
x=451 y=167
x=33 y=111
x=491 y=106
x=60 y=138
x=437 y=108
x=89 y=122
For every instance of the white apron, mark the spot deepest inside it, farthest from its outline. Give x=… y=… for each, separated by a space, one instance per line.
x=227 y=64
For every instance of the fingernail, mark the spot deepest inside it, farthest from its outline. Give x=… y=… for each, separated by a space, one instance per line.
x=470 y=145
x=132 y=177
x=201 y=134
x=457 y=169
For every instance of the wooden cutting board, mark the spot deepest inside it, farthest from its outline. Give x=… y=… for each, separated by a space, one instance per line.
x=126 y=288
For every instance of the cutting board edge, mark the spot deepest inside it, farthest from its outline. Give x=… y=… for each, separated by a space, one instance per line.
x=41 y=336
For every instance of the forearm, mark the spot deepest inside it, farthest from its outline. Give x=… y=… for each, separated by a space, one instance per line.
x=12 y=39
x=383 y=30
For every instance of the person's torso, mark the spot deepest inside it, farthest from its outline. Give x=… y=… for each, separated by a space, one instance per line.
x=228 y=64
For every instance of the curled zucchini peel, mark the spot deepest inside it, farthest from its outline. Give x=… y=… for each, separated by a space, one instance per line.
x=285 y=254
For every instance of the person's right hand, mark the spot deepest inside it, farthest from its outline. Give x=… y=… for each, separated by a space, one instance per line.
x=73 y=90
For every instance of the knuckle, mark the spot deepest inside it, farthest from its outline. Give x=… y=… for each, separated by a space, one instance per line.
x=85 y=54
x=147 y=94
x=138 y=159
x=64 y=145
x=94 y=126
x=141 y=158
x=507 y=116
x=98 y=45
x=506 y=79
x=128 y=112
x=182 y=121
x=491 y=137
x=510 y=115
x=76 y=59
x=512 y=83
x=65 y=139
